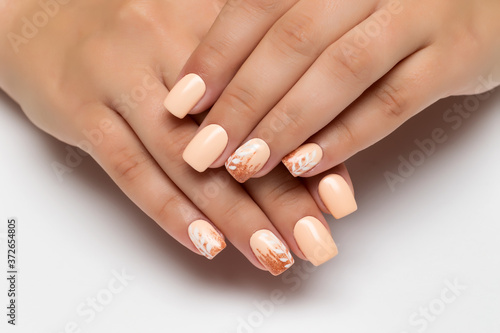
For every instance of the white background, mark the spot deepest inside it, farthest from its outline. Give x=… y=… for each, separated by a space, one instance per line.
x=398 y=253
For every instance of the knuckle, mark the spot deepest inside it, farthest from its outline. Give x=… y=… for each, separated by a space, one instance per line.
x=295 y=34
x=128 y=164
x=213 y=54
x=286 y=193
x=288 y=120
x=143 y=14
x=348 y=65
x=344 y=133
x=391 y=100
x=232 y=212
x=241 y=100
x=250 y=7
x=261 y=5
x=169 y=205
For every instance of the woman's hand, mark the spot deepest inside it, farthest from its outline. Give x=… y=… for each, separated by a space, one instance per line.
x=95 y=76
x=339 y=75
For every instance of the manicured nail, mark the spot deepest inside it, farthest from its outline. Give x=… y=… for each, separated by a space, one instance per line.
x=303 y=159
x=314 y=240
x=337 y=196
x=205 y=147
x=206 y=239
x=185 y=95
x=271 y=252
x=247 y=160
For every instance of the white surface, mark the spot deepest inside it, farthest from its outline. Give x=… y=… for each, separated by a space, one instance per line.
x=396 y=253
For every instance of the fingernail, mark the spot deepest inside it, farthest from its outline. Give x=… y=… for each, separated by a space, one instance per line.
x=185 y=95
x=314 y=240
x=205 y=147
x=271 y=252
x=206 y=239
x=247 y=160
x=303 y=159
x=337 y=196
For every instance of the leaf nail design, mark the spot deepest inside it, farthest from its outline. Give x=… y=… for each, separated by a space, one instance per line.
x=271 y=252
x=206 y=239
x=247 y=160
x=303 y=159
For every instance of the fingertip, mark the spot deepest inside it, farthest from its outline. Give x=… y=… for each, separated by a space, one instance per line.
x=185 y=95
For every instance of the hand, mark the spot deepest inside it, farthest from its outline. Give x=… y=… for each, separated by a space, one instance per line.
x=100 y=86
x=338 y=75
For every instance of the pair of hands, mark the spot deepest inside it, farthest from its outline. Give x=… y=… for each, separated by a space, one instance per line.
x=96 y=74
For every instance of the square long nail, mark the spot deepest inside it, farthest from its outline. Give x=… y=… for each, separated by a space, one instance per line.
x=206 y=238
x=271 y=252
x=205 y=147
x=337 y=196
x=247 y=160
x=314 y=240
x=303 y=159
x=185 y=95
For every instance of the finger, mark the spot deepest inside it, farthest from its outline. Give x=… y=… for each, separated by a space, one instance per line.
x=115 y=147
x=235 y=33
x=295 y=215
x=409 y=88
x=221 y=199
x=334 y=81
x=282 y=57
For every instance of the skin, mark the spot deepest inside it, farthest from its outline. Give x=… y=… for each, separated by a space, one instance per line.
x=340 y=75
x=95 y=76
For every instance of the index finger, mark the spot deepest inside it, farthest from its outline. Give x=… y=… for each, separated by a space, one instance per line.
x=235 y=33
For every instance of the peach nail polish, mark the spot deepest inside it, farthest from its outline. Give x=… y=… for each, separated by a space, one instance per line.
x=271 y=252
x=337 y=196
x=303 y=159
x=205 y=147
x=247 y=160
x=185 y=95
x=206 y=239
x=314 y=240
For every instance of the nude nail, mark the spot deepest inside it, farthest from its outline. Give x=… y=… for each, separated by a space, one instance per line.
x=185 y=95
x=247 y=160
x=303 y=159
x=206 y=238
x=271 y=252
x=314 y=240
x=337 y=196
x=205 y=147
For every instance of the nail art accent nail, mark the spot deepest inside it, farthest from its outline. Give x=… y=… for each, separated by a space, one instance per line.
x=247 y=160
x=205 y=147
x=303 y=159
x=337 y=196
x=314 y=240
x=185 y=95
x=271 y=252
x=206 y=239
